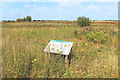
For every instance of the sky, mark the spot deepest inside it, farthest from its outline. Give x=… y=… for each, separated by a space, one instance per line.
x=59 y=10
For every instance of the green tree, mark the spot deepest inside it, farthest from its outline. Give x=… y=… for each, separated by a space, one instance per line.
x=26 y=19
x=20 y=19
x=83 y=21
x=29 y=18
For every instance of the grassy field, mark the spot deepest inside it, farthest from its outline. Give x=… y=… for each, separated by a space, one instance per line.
x=93 y=54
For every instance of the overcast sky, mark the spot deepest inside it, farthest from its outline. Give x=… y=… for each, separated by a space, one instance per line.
x=59 y=10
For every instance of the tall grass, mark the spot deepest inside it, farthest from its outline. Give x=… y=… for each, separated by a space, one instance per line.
x=23 y=56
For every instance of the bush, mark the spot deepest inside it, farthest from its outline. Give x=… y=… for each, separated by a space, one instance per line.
x=20 y=19
x=97 y=36
x=83 y=21
x=28 y=18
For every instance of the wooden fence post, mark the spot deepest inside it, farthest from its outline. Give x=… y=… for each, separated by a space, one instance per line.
x=49 y=52
x=66 y=62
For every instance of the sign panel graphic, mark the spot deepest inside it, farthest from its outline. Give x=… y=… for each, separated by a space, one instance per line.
x=60 y=47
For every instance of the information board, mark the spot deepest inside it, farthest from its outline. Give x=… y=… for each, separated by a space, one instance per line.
x=60 y=47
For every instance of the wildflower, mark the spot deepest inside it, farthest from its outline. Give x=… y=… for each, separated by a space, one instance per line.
x=95 y=39
x=34 y=59
x=82 y=50
x=86 y=44
x=30 y=30
x=83 y=56
x=77 y=71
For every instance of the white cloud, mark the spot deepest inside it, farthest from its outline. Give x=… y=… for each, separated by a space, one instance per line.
x=59 y=0
x=65 y=9
x=41 y=8
x=27 y=5
x=65 y=4
x=68 y=4
x=92 y=7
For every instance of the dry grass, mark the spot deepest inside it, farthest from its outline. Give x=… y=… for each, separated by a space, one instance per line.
x=23 y=56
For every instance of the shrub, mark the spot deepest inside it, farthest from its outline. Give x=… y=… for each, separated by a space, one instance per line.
x=28 y=18
x=97 y=36
x=20 y=19
x=83 y=21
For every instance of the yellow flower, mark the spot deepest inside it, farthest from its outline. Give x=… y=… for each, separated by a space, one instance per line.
x=82 y=50
x=77 y=71
x=30 y=30
x=86 y=44
x=34 y=59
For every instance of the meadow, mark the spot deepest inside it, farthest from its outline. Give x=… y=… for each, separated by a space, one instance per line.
x=93 y=54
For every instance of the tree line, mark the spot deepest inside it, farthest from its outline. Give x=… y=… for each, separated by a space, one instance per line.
x=81 y=21
x=28 y=18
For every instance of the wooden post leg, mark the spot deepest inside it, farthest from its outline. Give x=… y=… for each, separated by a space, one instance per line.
x=66 y=62
x=45 y=58
x=49 y=52
x=45 y=55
